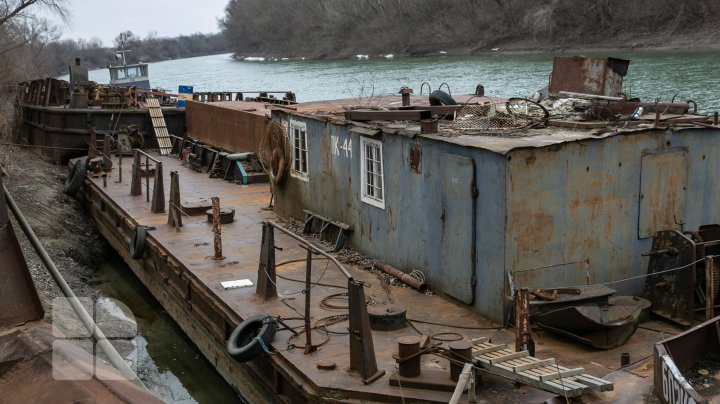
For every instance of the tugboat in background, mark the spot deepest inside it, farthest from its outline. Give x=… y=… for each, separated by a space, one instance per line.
x=128 y=75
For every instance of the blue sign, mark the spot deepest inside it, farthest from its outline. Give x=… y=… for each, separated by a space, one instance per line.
x=184 y=94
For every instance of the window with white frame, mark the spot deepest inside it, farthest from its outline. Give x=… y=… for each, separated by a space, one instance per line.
x=373 y=185
x=298 y=134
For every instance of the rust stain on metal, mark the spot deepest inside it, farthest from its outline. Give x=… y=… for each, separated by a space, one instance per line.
x=237 y=126
x=415 y=158
x=599 y=76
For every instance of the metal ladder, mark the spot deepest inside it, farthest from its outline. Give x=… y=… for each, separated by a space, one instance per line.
x=158 y=121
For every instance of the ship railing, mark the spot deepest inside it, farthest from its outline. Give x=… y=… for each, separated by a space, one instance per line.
x=362 y=351
x=139 y=170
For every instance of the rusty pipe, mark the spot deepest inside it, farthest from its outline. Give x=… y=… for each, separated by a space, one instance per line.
x=216 y=226
x=405 y=278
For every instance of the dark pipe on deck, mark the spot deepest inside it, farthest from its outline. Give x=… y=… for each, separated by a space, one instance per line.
x=405 y=278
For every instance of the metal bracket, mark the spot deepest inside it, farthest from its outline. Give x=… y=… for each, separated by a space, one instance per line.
x=266 y=279
x=362 y=351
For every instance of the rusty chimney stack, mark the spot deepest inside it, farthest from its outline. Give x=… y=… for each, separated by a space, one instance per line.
x=406 y=91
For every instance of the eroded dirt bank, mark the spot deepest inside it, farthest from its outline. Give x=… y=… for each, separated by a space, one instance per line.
x=67 y=233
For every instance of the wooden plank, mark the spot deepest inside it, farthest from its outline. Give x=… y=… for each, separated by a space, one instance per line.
x=595 y=383
x=483 y=351
x=508 y=357
x=561 y=374
x=534 y=365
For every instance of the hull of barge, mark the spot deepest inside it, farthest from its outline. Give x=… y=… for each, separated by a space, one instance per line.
x=178 y=271
x=63 y=133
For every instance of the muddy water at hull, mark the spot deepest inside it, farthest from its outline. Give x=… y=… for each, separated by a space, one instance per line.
x=662 y=75
x=168 y=363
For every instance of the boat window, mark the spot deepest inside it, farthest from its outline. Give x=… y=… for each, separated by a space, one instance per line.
x=120 y=74
x=132 y=72
x=298 y=132
x=373 y=185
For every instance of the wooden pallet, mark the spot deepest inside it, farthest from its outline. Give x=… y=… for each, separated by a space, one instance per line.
x=158 y=121
x=543 y=374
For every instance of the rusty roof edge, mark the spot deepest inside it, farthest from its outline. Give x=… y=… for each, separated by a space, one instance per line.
x=499 y=149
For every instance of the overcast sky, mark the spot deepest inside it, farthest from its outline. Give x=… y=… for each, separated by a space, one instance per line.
x=105 y=19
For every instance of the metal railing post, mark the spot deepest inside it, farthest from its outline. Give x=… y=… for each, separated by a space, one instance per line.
x=362 y=350
x=266 y=269
x=175 y=213
x=309 y=348
x=147 y=179
x=136 y=182
x=158 y=199
x=709 y=292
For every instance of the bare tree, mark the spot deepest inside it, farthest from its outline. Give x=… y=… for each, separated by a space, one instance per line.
x=10 y=9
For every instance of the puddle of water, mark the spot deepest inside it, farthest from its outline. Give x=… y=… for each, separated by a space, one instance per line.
x=167 y=361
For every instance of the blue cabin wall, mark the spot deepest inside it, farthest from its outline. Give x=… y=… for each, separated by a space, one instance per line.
x=409 y=232
x=585 y=200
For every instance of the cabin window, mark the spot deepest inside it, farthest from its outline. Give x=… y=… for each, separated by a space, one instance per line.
x=373 y=186
x=298 y=133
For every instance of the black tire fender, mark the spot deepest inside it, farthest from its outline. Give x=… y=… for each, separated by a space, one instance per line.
x=243 y=344
x=75 y=178
x=439 y=97
x=137 y=242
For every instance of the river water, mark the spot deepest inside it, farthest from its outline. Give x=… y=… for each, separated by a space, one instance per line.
x=167 y=362
x=685 y=75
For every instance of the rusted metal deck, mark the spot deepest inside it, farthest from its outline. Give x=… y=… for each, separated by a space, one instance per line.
x=180 y=271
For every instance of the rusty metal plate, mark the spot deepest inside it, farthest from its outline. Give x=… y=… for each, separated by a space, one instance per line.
x=19 y=299
x=599 y=76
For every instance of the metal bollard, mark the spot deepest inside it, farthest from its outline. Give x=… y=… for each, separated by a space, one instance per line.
x=136 y=182
x=107 y=163
x=92 y=151
x=460 y=349
x=158 y=198
x=216 y=227
x=409 y=345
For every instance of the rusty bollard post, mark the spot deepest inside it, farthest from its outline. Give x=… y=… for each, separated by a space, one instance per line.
x=460 y=349
x=409 y=345
x=362 y=350
x=266 y=269
x=523 y=338
x=175 y=215
x=216 y=227
x=158 y=198
x=136 y=182
x=92 y=151
x=107 y=163
x=709 y=292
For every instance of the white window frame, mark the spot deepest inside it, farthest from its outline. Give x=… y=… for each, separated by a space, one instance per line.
x=299 y=155
x=375 y=178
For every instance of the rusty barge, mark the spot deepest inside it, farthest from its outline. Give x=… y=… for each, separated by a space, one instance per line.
x=484 y=200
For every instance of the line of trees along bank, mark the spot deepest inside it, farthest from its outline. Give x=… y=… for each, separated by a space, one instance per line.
x=341 y=28
x=59 y=54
